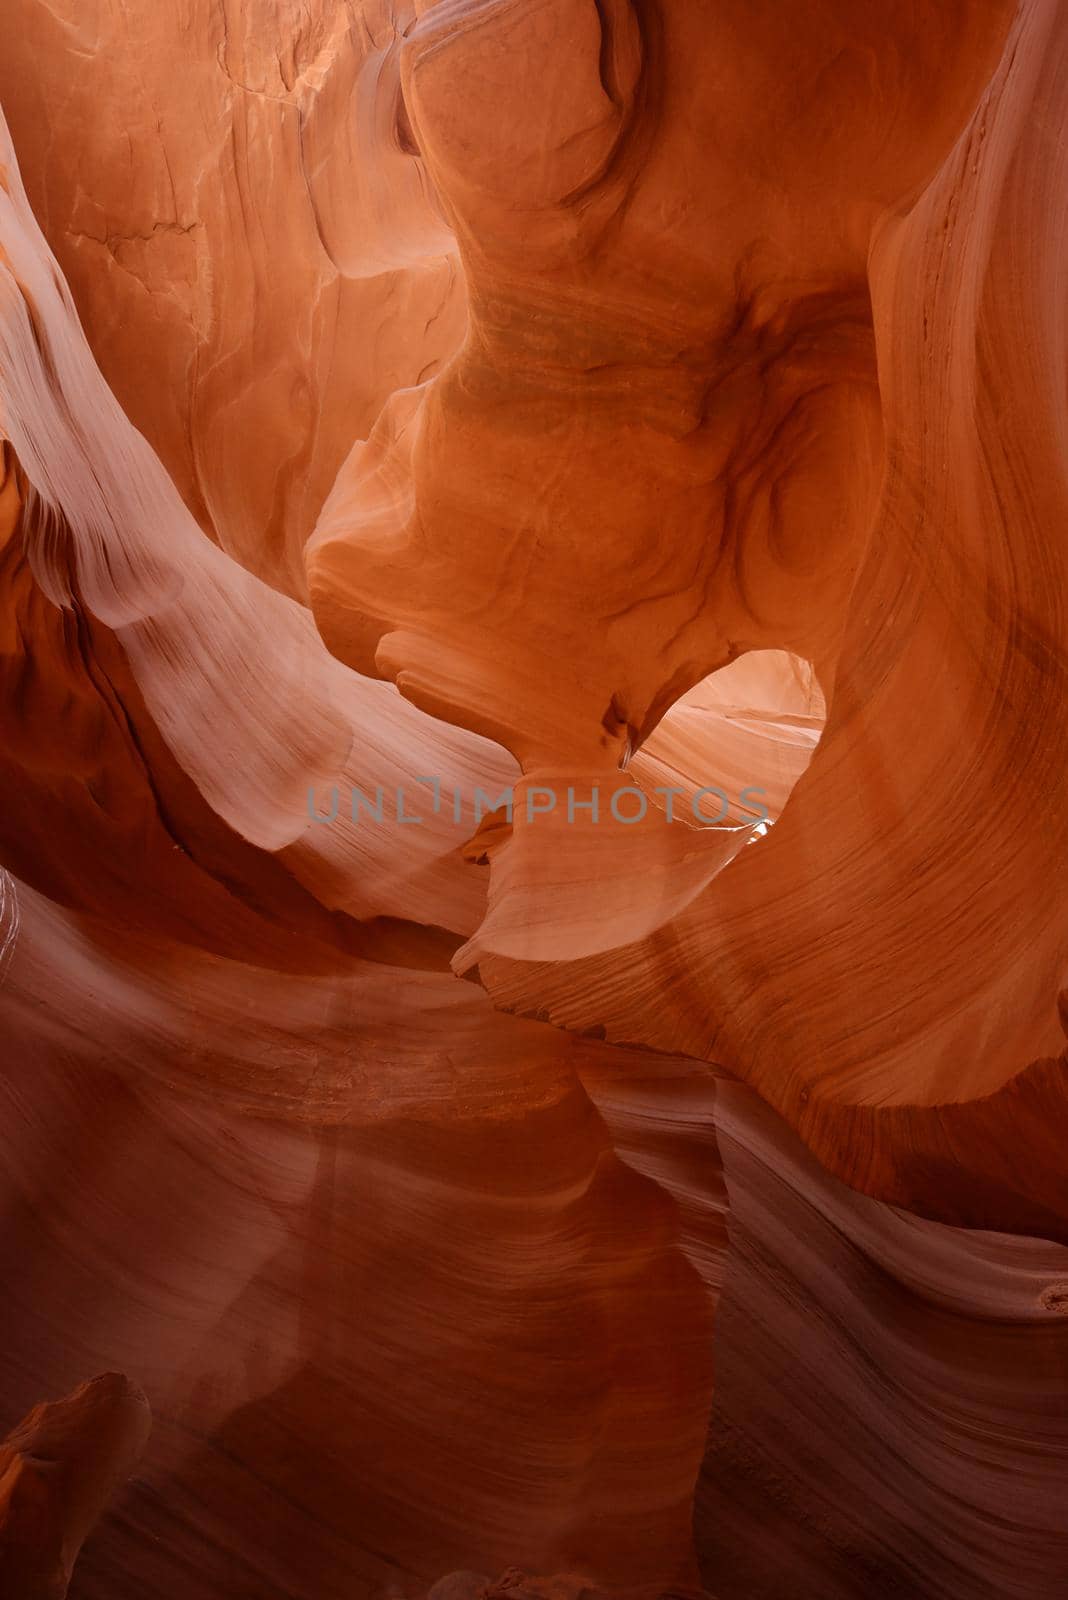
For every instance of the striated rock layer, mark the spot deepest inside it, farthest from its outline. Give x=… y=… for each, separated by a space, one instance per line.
x=700 y=396
x=532 y=686
x=57 y=1470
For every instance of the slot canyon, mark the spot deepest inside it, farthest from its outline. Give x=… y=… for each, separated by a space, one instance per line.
x=534 y=842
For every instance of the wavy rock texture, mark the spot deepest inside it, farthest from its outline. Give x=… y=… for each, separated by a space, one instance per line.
x=194 y=129
x=875 y=1448
x=57 y=1470
x=418 y=416
x=746 y=420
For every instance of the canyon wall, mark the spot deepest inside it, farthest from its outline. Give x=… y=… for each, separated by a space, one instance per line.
x=532 y=868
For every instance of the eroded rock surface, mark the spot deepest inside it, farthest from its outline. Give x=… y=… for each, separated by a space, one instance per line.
x=409 y=405
x=58 y=1469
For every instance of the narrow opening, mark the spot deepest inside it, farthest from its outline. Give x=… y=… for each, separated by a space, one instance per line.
x=737 y=743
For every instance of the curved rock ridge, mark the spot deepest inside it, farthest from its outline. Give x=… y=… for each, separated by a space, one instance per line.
x=203 y=663
x=886 y=1432
x=532 y=863
x=58 y=1469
